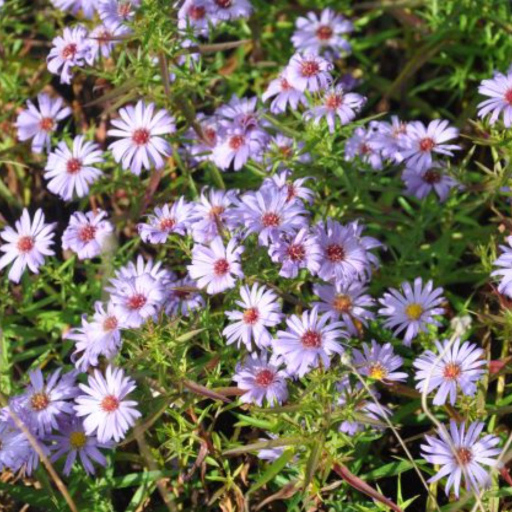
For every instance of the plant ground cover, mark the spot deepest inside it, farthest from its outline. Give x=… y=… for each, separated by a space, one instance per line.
x=255 y=255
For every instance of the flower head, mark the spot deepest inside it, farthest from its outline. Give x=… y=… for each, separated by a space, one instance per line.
x=499 y=91
x=195 y=15
x=113 y=12
x=230 y=10
x=284 y=94
x=237 y=146
x=14 y=447
x=362 y=145
x=75 y=6
x=183 y=297
x=420 y=182
x=386 y=138
x=504 y=264
x=309 y=72
x=103 y=38
x=379 y=362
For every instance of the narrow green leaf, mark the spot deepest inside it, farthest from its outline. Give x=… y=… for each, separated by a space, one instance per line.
x=273 y=470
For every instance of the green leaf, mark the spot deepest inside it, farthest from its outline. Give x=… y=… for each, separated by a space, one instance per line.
x=391 y=469
x=273 y=470
x=314 y=459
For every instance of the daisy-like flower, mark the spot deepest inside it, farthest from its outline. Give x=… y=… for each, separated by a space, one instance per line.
x=72 y=442
x=421 y=141
x=379 y=362
x=504 y=264
x=420 y=182
x=166 y=220
x=195 y=15
x=315 y=34
x=362 y=145
x=294 y=189
x=387 y=138
x=104 y=407
x=268 y=213
x=69 y=50
x=260 y=310
x=201 y=148
x=136 y=299
x=212 y=214
x=236 y=147
x=141 y=131
x=216 y=267
x=499 y=91
x=39 y=123
x=141 y=267
x=75 y=6
x=296 y=252
x=462 y=453
x=413 y=310
x=348 y=302
x=73 y=170
x=459 y=367
x=309 y=341
x=113 y=12
x=261 y=380
x=241 y=113
x=309 y=72
x=46 y=402
x=284 y=95
x=99 y=337
x=230 y=10
x=87 y=234
x=103 y=39
x=27 y=244
x=183 y=297
x=14 y=447
x=344 y=258
x=336 y=103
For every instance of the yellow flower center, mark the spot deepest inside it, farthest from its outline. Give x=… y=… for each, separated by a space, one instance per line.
x=77 y=440
x=414 y=311
x=377 y=371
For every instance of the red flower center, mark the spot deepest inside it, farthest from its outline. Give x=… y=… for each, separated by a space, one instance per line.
x=311 y=339
x=270 y=220
x=224 y=4
x=342 y=303
x=216 y=211
x=124 y=9
x=432 y=177
x=296 y=252
x=452 y=371
x=137 y=301
x=334 y=101
x=39 y=401
x=141 y=136
x=69 y=51
x=335 y=253
x=167 y=224
x=221 y=267
x=25 y=244
x=291 y=192
x=210 y=135
x=87 y=233
x=465 y=455
x=110 y=323
x=324 y=32
x=197 y=12
x=251 y=316
x=264 y=378
x=309 y=68
x=236 y=142
x=427 y=144
x=365 y=149
x=46 y=124
x=508 y=96
x=110 y=403
x=285 y=86
x=103 y=37
x=73 y=166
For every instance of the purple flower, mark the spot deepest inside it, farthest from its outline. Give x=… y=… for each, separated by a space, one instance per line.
x=379 y=362
x=348 y=302
x=295 y=190
x=106 y=411
x=195 y=15
x=241 y=113
x=261 y=380
x=74 y=443
x=362 y=145
x=183 y=298
x=412 y=311
x=504 y=264
x=260 y=310
x=69 y=50
x=166 y=220
x=213 y=214
x=231 y=10
x=461 y=453
x=87 y=234
x=420 y=182
x=155 y=270
x=309 y=341
x=216 y=267
x=38 y=124
x=236 y=147
x=46 y=402
x=421 y=141
x=336 y=103
x=270 y=454
x=459 y=366
x=99 y=337
x=72 y=170
x=309 y=72
x=296 y=252
x=103 y=39
x=141 y=143
x=499 y=90
x=113 y=12
x=326 y=32
x=136 y=299
x=14 y=447
x=268 y=213
x=201 y=148
x=74 y=6
x=284 y=94
x=27 y=244
x=386 y=138
x=344 y=257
